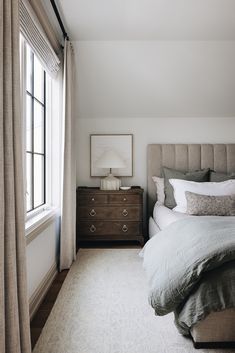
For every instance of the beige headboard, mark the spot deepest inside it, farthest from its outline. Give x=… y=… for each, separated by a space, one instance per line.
x=219 y=157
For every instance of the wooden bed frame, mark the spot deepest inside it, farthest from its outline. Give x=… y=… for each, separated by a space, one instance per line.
x=217 y=329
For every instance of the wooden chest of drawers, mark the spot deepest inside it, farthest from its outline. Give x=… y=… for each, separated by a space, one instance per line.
x=109 y=215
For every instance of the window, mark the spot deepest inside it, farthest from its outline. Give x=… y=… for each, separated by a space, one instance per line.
x=35 y=116
x=42 y=122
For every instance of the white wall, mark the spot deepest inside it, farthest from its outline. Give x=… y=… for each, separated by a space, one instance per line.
x=42 y=254
x=161 y=91
x=130 y=79
x=149 y=130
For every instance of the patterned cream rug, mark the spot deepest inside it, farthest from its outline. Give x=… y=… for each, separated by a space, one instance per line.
x=103 y=308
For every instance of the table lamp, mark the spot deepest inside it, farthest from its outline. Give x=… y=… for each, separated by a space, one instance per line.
x=108 y=160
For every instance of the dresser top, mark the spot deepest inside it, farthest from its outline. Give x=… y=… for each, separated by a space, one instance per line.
x=82 y=189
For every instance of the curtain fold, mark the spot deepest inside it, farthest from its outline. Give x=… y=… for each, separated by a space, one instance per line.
x=68 y=216
x=14 y=308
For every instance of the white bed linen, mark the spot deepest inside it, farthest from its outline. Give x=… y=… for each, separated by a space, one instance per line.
x=223 y=188
x=153 y=228
x=164 y=216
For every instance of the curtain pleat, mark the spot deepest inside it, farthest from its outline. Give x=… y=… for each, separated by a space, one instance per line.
x=68 y=217
x=14 y=309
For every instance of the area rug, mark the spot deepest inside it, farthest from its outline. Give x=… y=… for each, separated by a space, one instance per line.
x=103 y=308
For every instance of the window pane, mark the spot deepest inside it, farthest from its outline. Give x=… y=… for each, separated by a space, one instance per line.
x=38 y=127
x=38 y=80
x=38 y=180
x=35 y=134
x=29 y=205
x=29 y=68
x=28 y=123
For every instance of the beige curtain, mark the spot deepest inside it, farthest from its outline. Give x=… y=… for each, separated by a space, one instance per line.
x=14 y=312
x=68 y=218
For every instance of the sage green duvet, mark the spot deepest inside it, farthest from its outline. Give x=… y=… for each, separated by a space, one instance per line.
x=190 y=267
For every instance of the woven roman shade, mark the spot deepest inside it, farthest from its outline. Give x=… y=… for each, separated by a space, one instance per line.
x=34 y=34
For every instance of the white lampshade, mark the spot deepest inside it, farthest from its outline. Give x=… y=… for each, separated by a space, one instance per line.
x=110 y=159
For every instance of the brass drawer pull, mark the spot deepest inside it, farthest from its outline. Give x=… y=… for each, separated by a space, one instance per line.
x=92 y=213
x=125 y=213
x=92 y=228
x=124 y=199
x=124 y=228
x=93 y=199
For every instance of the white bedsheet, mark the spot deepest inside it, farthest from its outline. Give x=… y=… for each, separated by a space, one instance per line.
x=153 y=227
x=164 y=216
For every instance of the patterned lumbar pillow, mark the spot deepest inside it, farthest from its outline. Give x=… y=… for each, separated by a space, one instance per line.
x=203 y=205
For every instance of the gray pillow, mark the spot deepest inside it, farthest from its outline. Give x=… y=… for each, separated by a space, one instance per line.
x=217 y=177
x=203 y=205
x=168 y=173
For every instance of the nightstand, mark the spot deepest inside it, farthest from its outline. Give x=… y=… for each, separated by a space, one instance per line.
x=104 y=215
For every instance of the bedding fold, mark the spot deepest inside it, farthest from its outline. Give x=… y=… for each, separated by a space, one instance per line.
x=180 y=260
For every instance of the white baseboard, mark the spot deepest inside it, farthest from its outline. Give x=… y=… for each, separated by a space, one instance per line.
x=41 y=291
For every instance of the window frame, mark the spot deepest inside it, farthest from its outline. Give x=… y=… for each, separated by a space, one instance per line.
x=35 y=220
x=43 y=105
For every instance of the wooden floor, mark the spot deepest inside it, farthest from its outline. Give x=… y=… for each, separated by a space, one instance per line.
x=44 y=310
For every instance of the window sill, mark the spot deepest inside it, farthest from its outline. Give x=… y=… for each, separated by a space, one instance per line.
x=35 y=225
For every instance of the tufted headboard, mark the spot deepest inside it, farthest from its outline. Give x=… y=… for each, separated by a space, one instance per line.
x=219 y=157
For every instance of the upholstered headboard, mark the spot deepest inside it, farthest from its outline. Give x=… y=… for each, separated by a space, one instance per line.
x=219 y=157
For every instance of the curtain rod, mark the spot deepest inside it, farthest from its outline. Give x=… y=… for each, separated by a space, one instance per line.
x=59 y=19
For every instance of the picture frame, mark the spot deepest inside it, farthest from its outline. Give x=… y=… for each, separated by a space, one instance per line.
x=121 y=143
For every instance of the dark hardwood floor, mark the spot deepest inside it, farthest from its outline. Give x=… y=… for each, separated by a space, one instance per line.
x=44 y=310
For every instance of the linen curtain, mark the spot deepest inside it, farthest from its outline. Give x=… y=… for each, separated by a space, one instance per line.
x=14 y=309
x=68 y=216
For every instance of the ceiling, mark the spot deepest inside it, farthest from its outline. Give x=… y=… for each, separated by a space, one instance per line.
x=149 y=19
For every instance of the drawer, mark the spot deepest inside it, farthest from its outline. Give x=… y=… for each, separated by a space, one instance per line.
x=125 y=199
x=109 y=228
x=92 y=199
x=109 y=212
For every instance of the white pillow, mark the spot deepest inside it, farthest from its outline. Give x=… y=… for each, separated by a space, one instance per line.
x=159 y=182
x=208 y=188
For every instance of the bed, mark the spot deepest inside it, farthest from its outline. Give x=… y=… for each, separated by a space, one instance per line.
x=217 y=329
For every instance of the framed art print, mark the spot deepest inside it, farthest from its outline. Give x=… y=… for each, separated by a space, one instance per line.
x=121 y=144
